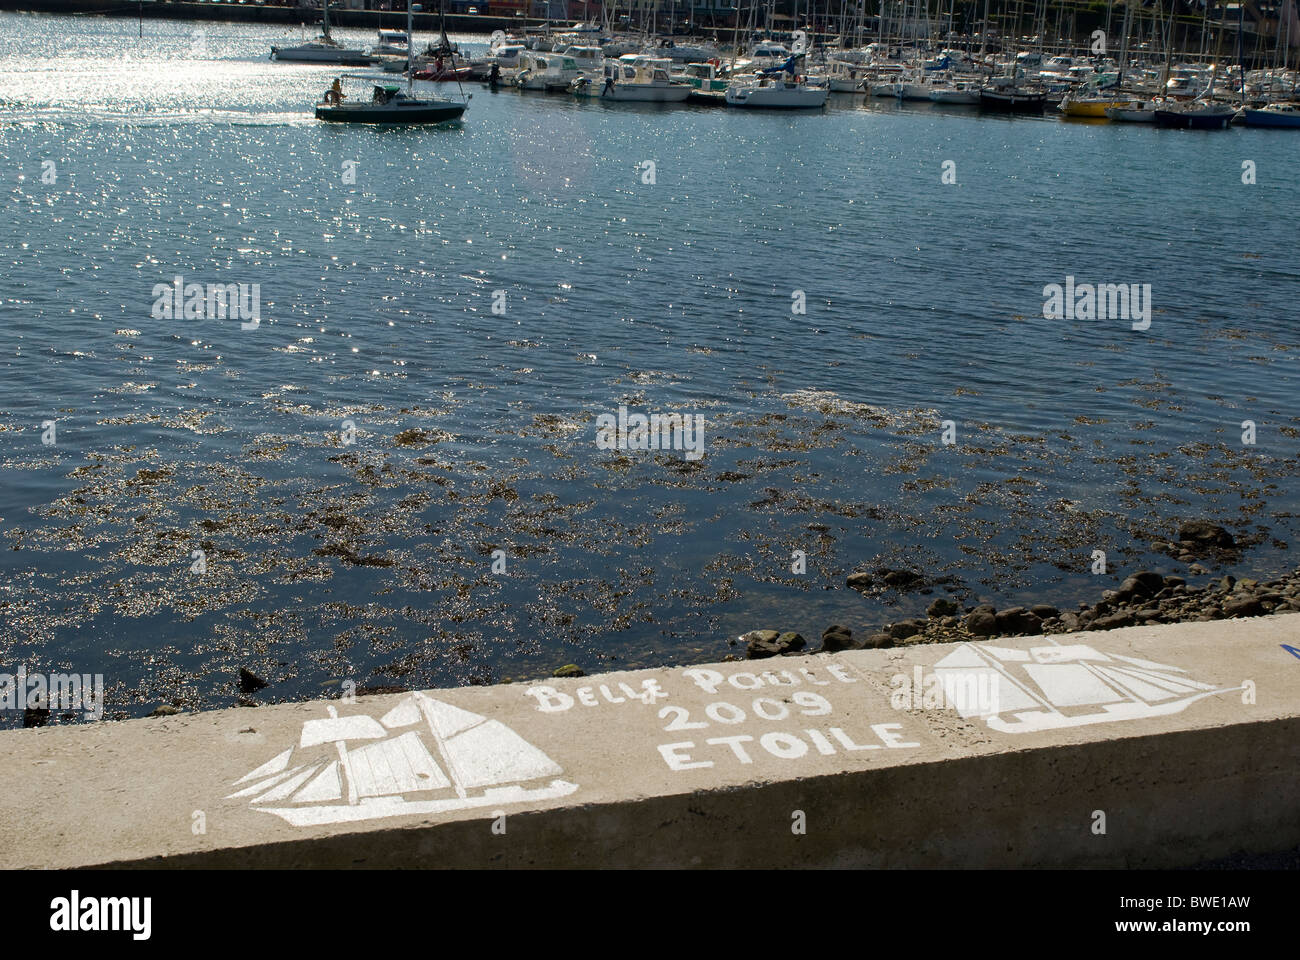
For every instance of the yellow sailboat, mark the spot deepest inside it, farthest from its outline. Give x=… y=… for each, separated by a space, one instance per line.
x=1094 y=107
x=1092 y=103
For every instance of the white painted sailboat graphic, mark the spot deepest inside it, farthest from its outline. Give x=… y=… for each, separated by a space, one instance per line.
x=1052 y=687
x=377 y=780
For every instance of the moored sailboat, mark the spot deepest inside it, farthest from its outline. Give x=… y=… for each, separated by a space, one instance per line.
x=1195 y=115
x=777 y=88
x=1006 y=95
x=324 y=49
x=1276 y=115
x=1139 y=111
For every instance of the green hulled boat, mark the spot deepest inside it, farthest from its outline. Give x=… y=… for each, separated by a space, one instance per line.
x=387 y=105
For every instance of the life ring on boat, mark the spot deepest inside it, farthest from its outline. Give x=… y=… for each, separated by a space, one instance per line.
x=332 y=97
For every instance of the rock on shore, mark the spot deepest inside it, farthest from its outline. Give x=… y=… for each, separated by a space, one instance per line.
x=1144 y=597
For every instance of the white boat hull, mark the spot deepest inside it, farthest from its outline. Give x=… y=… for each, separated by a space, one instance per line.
x=1124 y=115
x=913 y=91
x=777 y=97
x=963 y=98
x=637 y=92
x=312 y=53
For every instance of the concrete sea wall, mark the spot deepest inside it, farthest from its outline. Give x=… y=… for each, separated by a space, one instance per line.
x=1153 y=746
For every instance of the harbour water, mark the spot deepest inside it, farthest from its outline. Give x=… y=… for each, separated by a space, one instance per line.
x=318 y=498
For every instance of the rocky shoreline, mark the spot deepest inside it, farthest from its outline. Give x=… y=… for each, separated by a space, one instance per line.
x=1144 y=598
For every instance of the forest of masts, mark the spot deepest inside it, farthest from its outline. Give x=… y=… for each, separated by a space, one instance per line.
x=1158 y=28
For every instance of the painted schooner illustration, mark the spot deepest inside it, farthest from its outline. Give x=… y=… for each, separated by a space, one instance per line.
x=1057 y=686
x=475 y=762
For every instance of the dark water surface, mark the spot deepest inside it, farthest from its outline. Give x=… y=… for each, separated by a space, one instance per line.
x=189 y=153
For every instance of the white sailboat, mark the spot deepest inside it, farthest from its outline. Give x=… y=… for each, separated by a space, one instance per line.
x=778 y=88
x=1052 y=687
x=961 y=93
x=776 y=93
x=483 y=764
x=324 y=49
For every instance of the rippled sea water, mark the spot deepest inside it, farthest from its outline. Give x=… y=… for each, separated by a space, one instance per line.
x=189 y=153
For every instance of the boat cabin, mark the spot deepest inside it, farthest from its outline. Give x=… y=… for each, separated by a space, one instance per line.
x=701 y=71
x=507 y=55
x=770 y=51
x=636 y=68
x=587 y=58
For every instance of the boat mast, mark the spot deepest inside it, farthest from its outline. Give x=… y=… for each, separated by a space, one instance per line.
x=1169 y=47
x=1123 y=46
x=410 y=45
x=1218 y=50
x=1241 y=53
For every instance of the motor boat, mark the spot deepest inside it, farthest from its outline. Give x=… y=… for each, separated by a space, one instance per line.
x=589 y=59
x=845 y=77
x=392 y=43
x=546 y=71
x=633 y=78
x=708 y=84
